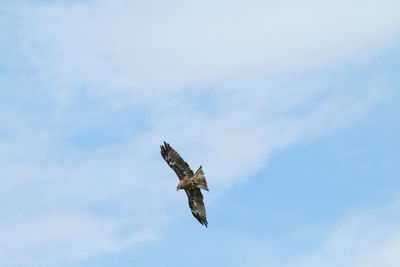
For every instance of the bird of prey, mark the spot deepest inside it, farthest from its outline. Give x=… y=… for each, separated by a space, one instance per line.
x=188 y=181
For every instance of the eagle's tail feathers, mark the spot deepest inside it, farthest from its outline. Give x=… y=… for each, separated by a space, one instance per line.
x=203 y=182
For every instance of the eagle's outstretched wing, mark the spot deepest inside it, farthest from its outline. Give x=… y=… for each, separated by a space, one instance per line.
x=175 y=161
x=196 y=205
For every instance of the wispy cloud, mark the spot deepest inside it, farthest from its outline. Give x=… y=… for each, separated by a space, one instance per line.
x=63 y=238
x=127 y=46
x=365 y=238
x=370 y=239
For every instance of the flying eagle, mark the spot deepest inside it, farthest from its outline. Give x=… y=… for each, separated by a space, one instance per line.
x=189 y=181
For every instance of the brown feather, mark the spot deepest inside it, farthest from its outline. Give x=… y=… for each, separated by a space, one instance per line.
x=175 y=161
x=196 y=205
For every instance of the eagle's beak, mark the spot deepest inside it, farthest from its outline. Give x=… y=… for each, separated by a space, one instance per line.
x=177 y=188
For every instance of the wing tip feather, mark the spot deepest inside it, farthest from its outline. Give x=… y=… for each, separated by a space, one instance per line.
x=165 y=149
x=203 y=222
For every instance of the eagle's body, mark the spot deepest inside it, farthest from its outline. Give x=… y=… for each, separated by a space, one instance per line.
x=188 y=181
x=191 y=183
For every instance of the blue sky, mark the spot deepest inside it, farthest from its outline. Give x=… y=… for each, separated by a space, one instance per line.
x=292 y=109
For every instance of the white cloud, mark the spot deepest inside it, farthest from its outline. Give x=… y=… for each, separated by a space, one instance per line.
x=61 y=238
x=368 y=238
x=132 y=46
x=371 y=239
x=57 y=214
